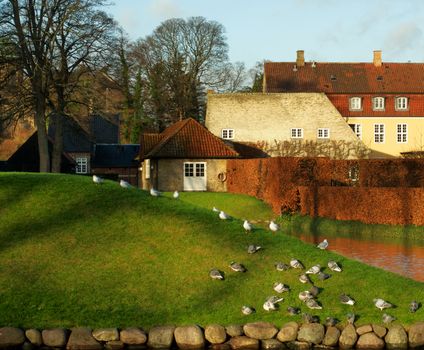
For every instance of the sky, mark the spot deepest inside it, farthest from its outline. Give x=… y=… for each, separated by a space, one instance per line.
x=327 y=30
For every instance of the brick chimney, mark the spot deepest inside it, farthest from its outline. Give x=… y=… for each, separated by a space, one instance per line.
x=377 y=58
x=300 y=58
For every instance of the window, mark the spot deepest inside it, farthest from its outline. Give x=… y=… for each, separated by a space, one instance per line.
x=357 y=129
x=227 y=134
x=323 y=133
x=378 y=103
x=355 y=104
x=188 y=169
x=200 y=169
x=402 y=133
x=296 y=133
x=379 y=133
x=401 y=103
x=82 y=165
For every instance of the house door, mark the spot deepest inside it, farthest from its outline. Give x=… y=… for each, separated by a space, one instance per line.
x=194 y=176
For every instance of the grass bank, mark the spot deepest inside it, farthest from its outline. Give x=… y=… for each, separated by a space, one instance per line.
x=76 y=254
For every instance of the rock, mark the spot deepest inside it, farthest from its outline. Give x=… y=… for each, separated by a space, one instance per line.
x=106 y=334
x=234 y=330
x=364 y=329
x=27 y=346
x=348 y=337
x=311 y=333
x=272 y=344
x=379 y=330
x=215 y=334
x=161 y=337
x=298 y=345
x=55 y=338
x=114 y=345
x=260 y=330
x=243 y=342
x=34 y=336
x=189 y=337
x=133 y=336
x=288 y=332
x=370 y=341
x=396 y=338
x=332 y=336
x=11 y=337
x=323 y=347
x=82 y=339
x=416 y=335
x=225 y=346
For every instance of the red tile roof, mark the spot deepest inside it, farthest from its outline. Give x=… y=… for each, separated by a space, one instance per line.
x=346 y=78
x=184 y=139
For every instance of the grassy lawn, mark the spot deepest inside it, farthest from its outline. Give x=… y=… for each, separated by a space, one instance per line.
x=73 y=253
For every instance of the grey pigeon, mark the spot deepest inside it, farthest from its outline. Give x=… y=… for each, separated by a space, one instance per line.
x=314 y=290
x=271 y=303
x=323 y=244
x=308 y=318
x=293 y=310
x=333 y=266
x=346 y=299
x=313 y=304
x=281 y=287
x=304 y=279
x=351 y=318
x=331 y=321
x=314 y=270
x=388 y=318
x=305 y=295
x=323 y=276
x=281 y=266
x=296 y=264
x=237 y=267
x=215 y=274
x=381 y=304
x=247 y=310
x=251 y=249
x=414 y=306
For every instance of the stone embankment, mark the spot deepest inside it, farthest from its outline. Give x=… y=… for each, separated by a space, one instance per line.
x=251 y=336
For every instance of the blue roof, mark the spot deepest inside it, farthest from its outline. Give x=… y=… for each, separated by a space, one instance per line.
x=115 y=156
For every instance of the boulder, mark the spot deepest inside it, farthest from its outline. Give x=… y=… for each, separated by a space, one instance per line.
x=272 y=344
x=114 y=345
x=260 y=330
x=234 y=330
x=298 y=345
x=189 y=337
x=11 y=337
x=311 y=333
x=379 y=330
x=370 y=341
x=55 y=338
x=161 y=337
x=82 y=339
x=332 y=336
x=416 y=335
x=396 y=338
x=288 y=332
x=106 y=334
x=364 y=329
x=34 y=336
x=243 y=342
x=215 y=334
x=348 y=337
x=224 y=346
x=133 y=336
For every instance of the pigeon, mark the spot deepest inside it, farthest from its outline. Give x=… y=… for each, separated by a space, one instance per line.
x=215 y=274
x=323 y=244
x=305 y=295
x=293 y=310
x=323 y=276
x=281 y=287
x=304 y=279
x=345 y=299
x=97 y=179
x=281 y=266
x=124 y=184
x=313 y=304
x=247 y=310
x=237 y=267
x=247 y=226
x=333 y=266
x=296 y=264
x=388 y=318
x=154 y=193
x=223 y=215
x=414 y=306
x=351 y=318
x=308 y=318
x=176 y=194
x=271 y=304
x=273 y=226
x=216 y=210
x=382 y=304
x=314 y=290
x=251 y=249
x=314 y=270
x=331 y=321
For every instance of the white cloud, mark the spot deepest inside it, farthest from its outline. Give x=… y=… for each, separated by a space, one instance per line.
x=165 y=9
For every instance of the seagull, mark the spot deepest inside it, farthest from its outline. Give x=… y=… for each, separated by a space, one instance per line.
x=273 y=226
x=347 y=300
x=296 y=264
x=351 y=318
x=216 y=210
x=323 y=276
x=414 y=306
x=305 y=295
x=247 y=310
x=314 y=270
x=308 y=318
x=154 y=193
x=331 y=321
x=333 y=266
x=314 y=290
x=271 y=304
x=237 y=267
x=124 y=184
x=293 y=310
x=313 y=304
x=215 y=274
x=281 y=266
x=304 y=279
x=323 y=244
x=381 y=304
x=251 y=249
x=176 y=194
x=281 y=287
x=97 y=179
x=223 y=215
x=388 y=318
x=247 y=226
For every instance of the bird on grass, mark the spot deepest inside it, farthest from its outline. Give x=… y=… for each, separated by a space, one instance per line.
x=313 y=304
x=323 y=244
x=333 y=266
x=271 y=303
x=247 y=310
x=314 y=270
x=296 y=264
x=388 y=318
x=293 y=311
x=305 y=295
x=281 y=266
x=247 y=226
x=176 y=195
x=308 y=318
x=346 y=299
x=223 y=216
x=414 y=306
x=323 y=276
x=314 y=290
x=273 y=226
x=382 y=304
x=124 y=184
x=251 y=249
x=281 y=287
x=216 y=210
x=237 y=267
x=215 y=274
x=98 y=180
x=351 y=318
x=154 y=193
x=304 y=279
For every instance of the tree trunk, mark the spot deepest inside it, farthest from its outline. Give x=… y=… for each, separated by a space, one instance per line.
x=58 y=143
x=43 y=145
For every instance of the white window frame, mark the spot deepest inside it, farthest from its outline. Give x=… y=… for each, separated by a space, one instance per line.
x=379 y=133
x=82 y=165
x=227 y=134
x=378 y=103
x=402 y=133
x=296 y=133
x=357 y=129
x=401 y=103
x=355 y=103
x=323 y=133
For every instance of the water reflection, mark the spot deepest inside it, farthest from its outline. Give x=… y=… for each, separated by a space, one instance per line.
x=406 y=259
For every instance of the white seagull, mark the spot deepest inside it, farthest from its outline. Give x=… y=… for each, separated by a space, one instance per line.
x=247 y=226
x=314 y=270
x=273 y=226
x=223 y=216
x=281 y=287
x=124 y=184
x=323 y=244
x=381 y=304
x=154 y=193
x=296 y=264
x=271 y=303
x=176 y=194
x=97 y=179
x=216 y=210
x=333 y=266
